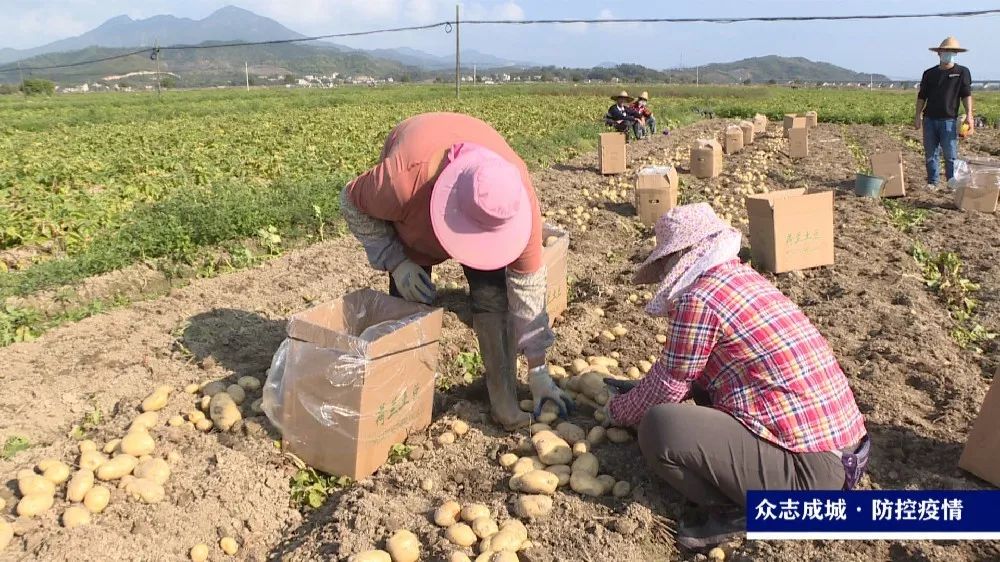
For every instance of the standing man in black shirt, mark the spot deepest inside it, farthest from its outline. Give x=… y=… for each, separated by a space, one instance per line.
x=941 y=89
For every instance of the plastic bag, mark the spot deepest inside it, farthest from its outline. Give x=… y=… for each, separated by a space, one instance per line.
x=962 y=177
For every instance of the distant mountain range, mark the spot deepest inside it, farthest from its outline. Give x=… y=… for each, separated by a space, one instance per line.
x=231 y=24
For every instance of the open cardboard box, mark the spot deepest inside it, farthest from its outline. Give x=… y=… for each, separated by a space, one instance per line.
x=981 y=455
x=791 y=229
x=656 y=191
x=555 y=256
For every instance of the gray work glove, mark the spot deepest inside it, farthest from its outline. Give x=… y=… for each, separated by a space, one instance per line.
x=413 y=283
x=544 y=388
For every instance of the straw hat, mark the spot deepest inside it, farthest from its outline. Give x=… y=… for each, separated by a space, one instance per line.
x=644 y=96
x=950 y=45
x=622 y=94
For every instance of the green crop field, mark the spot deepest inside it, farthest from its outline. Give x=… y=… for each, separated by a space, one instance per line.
x=95 y=183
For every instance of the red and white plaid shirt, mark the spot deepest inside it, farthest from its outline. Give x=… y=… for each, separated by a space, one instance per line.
x=760 y=359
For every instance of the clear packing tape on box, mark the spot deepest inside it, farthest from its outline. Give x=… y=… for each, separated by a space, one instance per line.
x=342 y=379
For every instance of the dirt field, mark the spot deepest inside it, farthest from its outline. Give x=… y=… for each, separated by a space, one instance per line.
x=917 y=388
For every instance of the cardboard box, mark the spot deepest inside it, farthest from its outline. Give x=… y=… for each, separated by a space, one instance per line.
x=793 y=121
x=733 y=139
x=346 y=400
x=791 y=230
x=889 y=165
x=554 y=258
x=982 y=194
x=656 y=190
x=812 y=119
x=798 y=142
x=748 y=132
x=981 y=455
x=760 y=124
x=706 y=158
x=611 y=153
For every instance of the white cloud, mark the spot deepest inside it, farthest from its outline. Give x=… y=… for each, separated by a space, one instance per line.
x=605 y=14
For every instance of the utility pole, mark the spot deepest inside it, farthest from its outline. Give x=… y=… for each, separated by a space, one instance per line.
x=156 y=56
x=697 y=76
x=458 y=57
x=246 y=67
x=473 y=74
x=21 y=72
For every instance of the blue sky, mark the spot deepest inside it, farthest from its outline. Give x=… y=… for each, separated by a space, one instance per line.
x=893 y=47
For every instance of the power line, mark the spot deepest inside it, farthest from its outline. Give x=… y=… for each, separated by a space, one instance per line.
x=448 y=25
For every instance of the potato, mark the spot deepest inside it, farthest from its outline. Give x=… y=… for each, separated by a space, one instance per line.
x=34 y=504
x=660 y=338
x=607 y=481
x=532 y=506
x=87 y=445
x=621 y=489
x=229 y=544
x=125 y=481
x=516 y=527
x=507 y=460
x=551 y=448
x=3 y=504
x=456 y=556
x=474 y=511
x=44 y=464
x=578 y=366
x=57 y=473
x=618 y=435
x=75 y=516
x=446 y=438
x=459 y=427
x=484 y=527
x=137 y=443
x=192 y=388
x=526 y=405
x=157 y=400
x=447 y=514
x=571 y=432
x=145 y=490
x=507 y=540
x=619 y=330
x=195 y=416
x=33 y=484
x=581 y=448
x=547 y=417
x=257 y=406
x=237 y=393
x=592 y=384
x=599 y=416
x=147 y=420
x=175 y=421
x=717 y=555
x=551 y=240
x=586 y=464
x=371 y=556
x=596 y=436
x=427 y=484
x=485 y=556
x=583 y=483
x=78 y=487
x=205 y=403
x=6 y=534
x=97 y=498
x=224 y=412
x=213 y=388
x=607 y=335
x=645 y=366
x=633 y=373
x=505 y=557
x=527 y=464
x=204 y=425
x=156 y=470
x=557 y=371
x=461 y=535
x=249 y=383
x=403 y=546
x=199 y=553
x=117 y=467
x=538 y=428
x=535 y=482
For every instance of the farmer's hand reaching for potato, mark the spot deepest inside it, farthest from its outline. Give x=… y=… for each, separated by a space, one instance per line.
x=544 y=388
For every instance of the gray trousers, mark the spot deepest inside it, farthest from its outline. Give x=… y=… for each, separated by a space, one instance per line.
x=712 y=459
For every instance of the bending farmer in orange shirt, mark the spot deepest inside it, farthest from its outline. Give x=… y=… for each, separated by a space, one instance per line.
x=448 y=186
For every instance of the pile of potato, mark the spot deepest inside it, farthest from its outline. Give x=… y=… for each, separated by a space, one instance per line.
x=579 y=217
x=465 y=526
x=220 y=404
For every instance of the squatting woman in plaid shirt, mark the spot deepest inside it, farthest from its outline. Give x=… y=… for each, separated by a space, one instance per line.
x=773 y=408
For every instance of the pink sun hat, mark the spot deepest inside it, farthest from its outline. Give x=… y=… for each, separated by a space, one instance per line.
x=480 y=209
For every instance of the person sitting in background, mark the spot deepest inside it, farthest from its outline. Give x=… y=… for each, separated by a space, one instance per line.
x=773 y=409
x=646 y=119
x=622 y=117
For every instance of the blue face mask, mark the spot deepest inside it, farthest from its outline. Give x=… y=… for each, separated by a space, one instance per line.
x=947 y=58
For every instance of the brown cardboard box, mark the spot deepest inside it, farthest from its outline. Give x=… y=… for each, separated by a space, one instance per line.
x=981 y=455
x=760 y=124
x=655 y=193
x=706 y=159
x=748 y=132
x=982 y=195
x=611 y=153
x=791 y=230
x=812 y=119
x=345 y=401
x=733 y=139
x=889 y=165
x=798 y=142
x=554 y=258
x=793 y=121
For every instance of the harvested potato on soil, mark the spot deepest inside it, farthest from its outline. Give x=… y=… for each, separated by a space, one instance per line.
x=507 y=540
x=484 y=527
x=446 y=438
x=596 y=435
x=229 y=544
x=75 y=516
x=34 y=504
x=155 y=470
x=45 y=464
x=551 y=448
x=619 y=330
x=34 y=484
x=87 y=445
x=505 y=557
x=571 y=432
x=578 y=366
x=192 y=388
x=157 y=400
x=539 y=427
x=618 y=435
x=526 y=405
x=249 y=383
x=146 y=420
x=145 y=490
x=515 y=526
x=117 y=467
x=195 y=416
x=562 y=471
x=371 y=556
x=507 y=460
x=581 y=448
x=257 y=406
x=199 y=553
x=137 y=443
x=535 y=482
x=213 y=388
x=645 y=366
x=224 y=411
x=532 y=506
x=403 y=546
x=621 y=489
x=237 y=393
x=583 y=483
x=717 y=555
x=97 y=499
x=78 y=487
x=457 y=556
x=204 y=425
x=586 y=464
x=175 y=421
x=447 y=514
x=474 y=511
x=461 y=534
x=660 y=338
x=547 y=417
x=527 y=464
x=607 y=481
x=459 y=427
x=6 y=534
